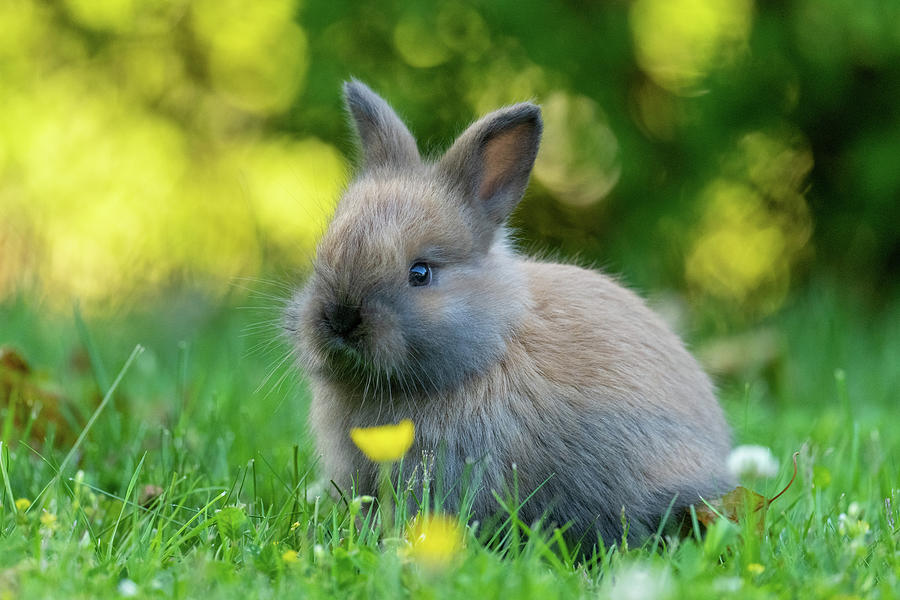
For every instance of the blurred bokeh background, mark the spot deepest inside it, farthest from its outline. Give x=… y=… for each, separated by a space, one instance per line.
x=721 y=156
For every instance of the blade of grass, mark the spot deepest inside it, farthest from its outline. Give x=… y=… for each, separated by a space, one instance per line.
x=662 y=524
x=62 y=467
x=177 y=539
x=10 y=419
x=6 y=484
x=128 y=493
x=134 y=354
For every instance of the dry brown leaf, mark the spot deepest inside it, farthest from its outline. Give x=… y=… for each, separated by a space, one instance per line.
x=34 y=404
x=12 y=361
x=741 y=503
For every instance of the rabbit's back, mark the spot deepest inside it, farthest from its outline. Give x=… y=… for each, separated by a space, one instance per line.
x=618 y=414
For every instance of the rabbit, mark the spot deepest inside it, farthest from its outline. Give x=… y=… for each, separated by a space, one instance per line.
x=545 y=377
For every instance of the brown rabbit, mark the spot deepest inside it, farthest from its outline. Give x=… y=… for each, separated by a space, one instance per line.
x=419 y=308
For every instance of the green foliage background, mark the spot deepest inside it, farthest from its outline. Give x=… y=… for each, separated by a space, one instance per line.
x=727 y=149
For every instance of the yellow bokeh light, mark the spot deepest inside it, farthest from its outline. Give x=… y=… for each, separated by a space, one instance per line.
x=776 y=164
x=679 y=41
x=756 y=222
x=257 y=54
x=89 y=174
x=655 y=110
x=293 y=185
x=162 y=70
x=122 y=171
x=417 y=44
x=741 y=250
x=579 y=155
x=115 y=15
x=507 y=79
x=461 y=28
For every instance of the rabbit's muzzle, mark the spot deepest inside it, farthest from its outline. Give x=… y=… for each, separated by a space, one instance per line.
x=343 y=319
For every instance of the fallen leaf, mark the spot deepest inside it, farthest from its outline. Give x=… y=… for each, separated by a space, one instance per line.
x=29 y=403
x=12 y=361
x=735 y=504
x=740 y=503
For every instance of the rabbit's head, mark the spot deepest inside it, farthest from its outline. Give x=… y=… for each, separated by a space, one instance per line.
x=414 y=285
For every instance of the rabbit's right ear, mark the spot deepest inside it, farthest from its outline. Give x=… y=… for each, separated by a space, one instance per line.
x=491 y=161
x=385 y=139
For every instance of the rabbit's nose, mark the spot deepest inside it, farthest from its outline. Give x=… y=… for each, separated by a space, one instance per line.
x=343 y=318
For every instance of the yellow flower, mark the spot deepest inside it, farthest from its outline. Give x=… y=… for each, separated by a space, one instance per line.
x=290 y=557
x=22 y=504
x=755 y=568
x=48 y=519
x=435 y=541
x=387 y=443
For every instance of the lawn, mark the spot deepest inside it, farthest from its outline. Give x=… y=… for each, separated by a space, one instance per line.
x=165 y=454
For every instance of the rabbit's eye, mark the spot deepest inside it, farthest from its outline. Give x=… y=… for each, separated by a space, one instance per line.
x=419 y=274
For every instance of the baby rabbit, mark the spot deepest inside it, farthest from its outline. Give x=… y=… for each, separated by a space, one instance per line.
x=419 y=308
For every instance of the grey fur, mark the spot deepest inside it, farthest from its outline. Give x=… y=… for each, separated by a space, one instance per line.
x=385 y=139
x=463 y=164
x=502 y=360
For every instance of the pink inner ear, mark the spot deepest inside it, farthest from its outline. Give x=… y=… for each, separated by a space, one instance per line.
x=502 y=154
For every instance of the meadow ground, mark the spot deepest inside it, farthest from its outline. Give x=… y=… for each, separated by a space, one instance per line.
x=195 y=477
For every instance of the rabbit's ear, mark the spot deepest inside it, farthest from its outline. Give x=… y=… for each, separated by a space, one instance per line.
x=385 y=139
x=491 y=161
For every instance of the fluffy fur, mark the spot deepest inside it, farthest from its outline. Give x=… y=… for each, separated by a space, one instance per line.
x=501 y=360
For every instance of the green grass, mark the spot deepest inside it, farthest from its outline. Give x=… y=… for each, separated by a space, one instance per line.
x=206 y=414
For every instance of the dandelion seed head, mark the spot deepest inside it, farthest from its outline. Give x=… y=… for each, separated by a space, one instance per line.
x=752 y=461
x=639 y=582
x=127 y=588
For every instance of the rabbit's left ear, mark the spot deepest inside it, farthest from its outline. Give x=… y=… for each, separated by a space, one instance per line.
x=491 y=161
x=385 y=139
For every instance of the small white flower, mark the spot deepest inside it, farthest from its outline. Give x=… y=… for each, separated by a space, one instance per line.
x=842 y=524
x=317 y=489
x=752 y=461
x=728 y=585
x=639 y=582
x=319 y=553
x=128 y=588
x=851 y=525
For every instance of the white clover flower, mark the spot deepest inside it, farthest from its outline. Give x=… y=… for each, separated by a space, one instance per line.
x=317 y=489
x=851 y=524
x=842 y=524
x=728 y=585
x=752 y=461
x=128 y=588
x=639 y=582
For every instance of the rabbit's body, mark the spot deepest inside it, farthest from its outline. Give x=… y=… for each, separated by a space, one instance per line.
x=497 y=359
